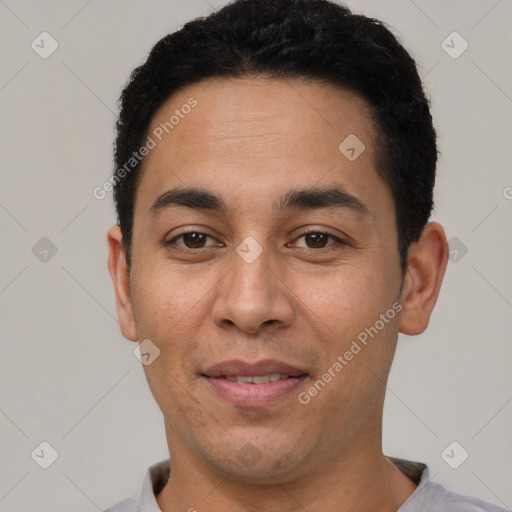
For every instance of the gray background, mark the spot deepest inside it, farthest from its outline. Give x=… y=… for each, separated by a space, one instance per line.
x=69 y=378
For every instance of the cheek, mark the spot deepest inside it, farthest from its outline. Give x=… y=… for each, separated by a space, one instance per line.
x=355 y=343
x=346 y=299
x=164 y=300
x=347 y=306
x=169 y=309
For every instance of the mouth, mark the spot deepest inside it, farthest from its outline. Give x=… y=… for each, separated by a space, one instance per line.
x=253 y=384
x=256 y=379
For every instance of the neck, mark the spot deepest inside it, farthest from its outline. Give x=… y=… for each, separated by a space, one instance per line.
x=360 y=478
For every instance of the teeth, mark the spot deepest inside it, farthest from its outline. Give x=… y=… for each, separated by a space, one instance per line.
x=243 y=380
x=257 y=379
x=265 y=379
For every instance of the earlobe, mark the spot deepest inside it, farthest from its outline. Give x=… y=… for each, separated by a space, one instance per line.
x=427 y=261
x=120 y=274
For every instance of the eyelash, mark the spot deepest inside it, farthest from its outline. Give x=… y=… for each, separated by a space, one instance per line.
x=329 y=247
x=305 y=233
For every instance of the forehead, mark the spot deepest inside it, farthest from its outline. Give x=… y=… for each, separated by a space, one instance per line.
x=255 y=132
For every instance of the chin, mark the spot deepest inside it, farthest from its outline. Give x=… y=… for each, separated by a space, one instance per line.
x=256 y=462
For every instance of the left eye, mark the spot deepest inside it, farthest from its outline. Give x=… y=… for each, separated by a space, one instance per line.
x=318 y=240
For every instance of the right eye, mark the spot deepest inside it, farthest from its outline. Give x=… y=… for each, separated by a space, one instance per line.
x=191 y=240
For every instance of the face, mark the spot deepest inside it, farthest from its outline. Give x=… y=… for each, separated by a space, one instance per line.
x=261 y=248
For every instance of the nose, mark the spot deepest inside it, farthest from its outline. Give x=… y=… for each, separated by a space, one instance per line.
x=253 y=295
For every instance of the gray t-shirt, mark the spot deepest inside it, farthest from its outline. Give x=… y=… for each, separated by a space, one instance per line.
x=428 y=496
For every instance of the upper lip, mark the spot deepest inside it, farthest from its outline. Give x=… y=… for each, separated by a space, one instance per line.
x=237 y=367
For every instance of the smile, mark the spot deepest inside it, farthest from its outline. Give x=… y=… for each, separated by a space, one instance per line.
x=257 y=379
x=258 y=384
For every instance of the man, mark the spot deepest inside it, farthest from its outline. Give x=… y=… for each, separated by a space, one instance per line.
x=275 y=165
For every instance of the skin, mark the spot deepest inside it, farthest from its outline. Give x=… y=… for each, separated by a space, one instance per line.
x=302 y=301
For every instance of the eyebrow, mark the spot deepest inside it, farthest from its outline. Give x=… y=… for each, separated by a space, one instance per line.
x=295 y=199
x=194 y=198
x=316 y=198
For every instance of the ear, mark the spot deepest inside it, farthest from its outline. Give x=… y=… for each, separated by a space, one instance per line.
x=120 y=274
x=426 y=264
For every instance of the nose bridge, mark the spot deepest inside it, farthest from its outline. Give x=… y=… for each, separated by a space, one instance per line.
x=252 y=278
x=251 y=294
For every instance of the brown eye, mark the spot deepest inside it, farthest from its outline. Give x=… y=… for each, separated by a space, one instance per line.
x=317 y=240
x=194 y=240
x=190 y=240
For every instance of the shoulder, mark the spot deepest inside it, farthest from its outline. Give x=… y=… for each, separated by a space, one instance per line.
x=430 y=496
x=127 y=505
x=437 y=497
x=153 y=482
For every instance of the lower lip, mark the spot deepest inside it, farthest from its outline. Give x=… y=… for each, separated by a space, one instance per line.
x=254 y=395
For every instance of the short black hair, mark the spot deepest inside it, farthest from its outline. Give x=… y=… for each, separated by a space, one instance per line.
x=293 y=39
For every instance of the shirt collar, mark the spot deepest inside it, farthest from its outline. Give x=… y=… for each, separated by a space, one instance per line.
x=158 y=474
x=154 y=481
